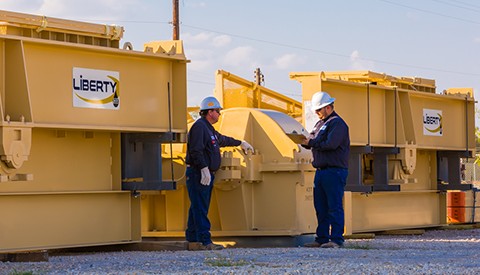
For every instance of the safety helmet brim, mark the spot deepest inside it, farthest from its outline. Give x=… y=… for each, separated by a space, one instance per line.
x=210 y=103
x=320 y=106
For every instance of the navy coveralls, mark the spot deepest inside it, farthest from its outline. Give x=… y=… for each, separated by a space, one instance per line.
x=203 y=150
x=330 y=146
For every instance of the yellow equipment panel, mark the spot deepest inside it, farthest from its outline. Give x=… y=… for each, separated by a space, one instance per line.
x=72 y=107
x=372 y=108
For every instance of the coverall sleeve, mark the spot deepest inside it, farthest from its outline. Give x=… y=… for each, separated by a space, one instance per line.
x=224 y=141
x=333 y=137
x=197 y=145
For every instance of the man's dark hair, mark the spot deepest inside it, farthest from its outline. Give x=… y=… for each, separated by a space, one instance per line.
x=203 y=113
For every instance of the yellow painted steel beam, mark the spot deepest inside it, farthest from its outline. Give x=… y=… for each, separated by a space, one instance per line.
x=234 y=91
x=43 y=23
x=395 y=210
x=66 y=219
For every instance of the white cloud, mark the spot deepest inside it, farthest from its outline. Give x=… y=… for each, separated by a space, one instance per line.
x=476 y=40
x=73 y=10
x=54 y=7
x=357 y=63
x=221 y=41
x=200 y=65
x=200 y=53
x=288 y=61
x=23 y=6
x=354 y=55
x=206 y=38
x=201 y=59
x=200 y=38
x=239 y=56
x=89 y=9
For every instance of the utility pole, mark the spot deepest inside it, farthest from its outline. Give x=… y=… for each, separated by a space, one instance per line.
x=259 y=78
x=175 y=22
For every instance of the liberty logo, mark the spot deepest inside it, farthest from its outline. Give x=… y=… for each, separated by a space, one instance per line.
x=96 y=89
x=432 y=122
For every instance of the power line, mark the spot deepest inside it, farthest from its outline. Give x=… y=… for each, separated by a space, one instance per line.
x=431 y=12
x=321 y=51
x=267 y=42
x=332 y=53
x=201 y=73
x=457 y=6
x=201 y=82
x=123 y=21
x=465 y=3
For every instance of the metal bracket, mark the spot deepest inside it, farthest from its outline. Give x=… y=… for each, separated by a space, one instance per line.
x=142 y=162
x=152 y=185
x=448 y=170
x=380 y=168
x=355 y=177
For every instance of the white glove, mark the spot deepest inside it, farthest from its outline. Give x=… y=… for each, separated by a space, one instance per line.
x=246 y=146
x=206 y=177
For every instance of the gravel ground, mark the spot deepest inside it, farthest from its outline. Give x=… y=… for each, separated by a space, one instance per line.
x=435 y=252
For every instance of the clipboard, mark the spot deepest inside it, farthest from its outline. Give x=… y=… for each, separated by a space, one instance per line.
x=297 y=138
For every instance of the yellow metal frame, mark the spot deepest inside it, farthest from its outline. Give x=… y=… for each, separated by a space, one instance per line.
x=60 y=166
x=234 y=91
x=56 y=29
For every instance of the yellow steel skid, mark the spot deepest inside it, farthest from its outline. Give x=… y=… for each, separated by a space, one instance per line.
x=61 y=168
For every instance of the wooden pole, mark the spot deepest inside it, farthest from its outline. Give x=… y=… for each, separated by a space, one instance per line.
x=175 y=22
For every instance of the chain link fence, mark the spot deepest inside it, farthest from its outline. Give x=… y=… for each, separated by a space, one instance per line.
x=471 y=171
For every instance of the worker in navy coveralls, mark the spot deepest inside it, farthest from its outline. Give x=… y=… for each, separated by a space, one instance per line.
x=203 y=160
x=330 y=145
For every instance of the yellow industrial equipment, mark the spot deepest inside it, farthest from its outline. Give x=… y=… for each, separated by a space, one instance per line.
x=262 y=194
x=86 y=125
x=235 y=91
x=406 y=142
x=266 y=193
x=406 y=145
x=81 y=126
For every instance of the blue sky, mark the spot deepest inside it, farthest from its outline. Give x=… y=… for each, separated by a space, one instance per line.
x=436 y=39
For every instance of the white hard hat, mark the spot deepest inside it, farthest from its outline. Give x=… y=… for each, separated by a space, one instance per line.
x=209 y=102
x=320 y=100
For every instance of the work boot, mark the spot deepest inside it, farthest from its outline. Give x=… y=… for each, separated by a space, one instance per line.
x=193 y=246
x=331 y=245
x=212 y=246
x=312 y=244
